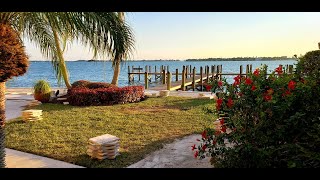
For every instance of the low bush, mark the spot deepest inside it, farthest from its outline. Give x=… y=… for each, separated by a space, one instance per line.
x=272 y=122
x=80 y=84
x=105 y=96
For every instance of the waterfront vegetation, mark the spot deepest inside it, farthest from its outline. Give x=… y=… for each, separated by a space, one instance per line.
x=270 y=121
x=142 y=128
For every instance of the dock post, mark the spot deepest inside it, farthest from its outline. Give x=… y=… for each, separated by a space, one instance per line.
x=146 y=80
x=161 y=68
x=207 y=80
x=290 y=69
x=247 y=70
x=146 y=69
x=163 y=76
x=240 y=70
x=168 y=68
x=129 y=74
x=190 y=68
x=139 y=73
x=183 y=82
x=155 y=73
x=177 y=74
x=250 y=68
x=194 y=79
x=168 y=80
x=186 y=71
x=213 y=71
x=201 y=78
x=220 y=72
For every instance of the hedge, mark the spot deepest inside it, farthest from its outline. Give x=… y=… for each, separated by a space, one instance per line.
x=91 y=85
x=105 y=96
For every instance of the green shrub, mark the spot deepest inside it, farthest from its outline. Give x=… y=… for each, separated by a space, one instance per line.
x=42 y=91
x=309 y=64
x=272 y=122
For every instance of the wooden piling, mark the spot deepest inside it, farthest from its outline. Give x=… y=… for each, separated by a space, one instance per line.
x=220 y=72
x=240 y=70
x=177 y=74
x=168 y=80
x=290 y=69
x=190 y=68
x=194 y=79
x=129 y=74
x=155 y=75
x=139 y=73
x=168 y=68
x=250 y=68
x=247 y=70
x=207 y=80
x=146 y=80
x=164 y=76
x=201 y=78
x=183 y=82
x=186 y=71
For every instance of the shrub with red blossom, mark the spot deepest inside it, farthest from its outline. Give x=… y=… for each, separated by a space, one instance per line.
x=273 y=121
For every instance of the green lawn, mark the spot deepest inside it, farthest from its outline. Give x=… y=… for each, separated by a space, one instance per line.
x=142 y=128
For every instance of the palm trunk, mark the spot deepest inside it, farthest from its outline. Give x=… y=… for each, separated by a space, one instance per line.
x=116 y=73
x=2 y=123
x=62 y=63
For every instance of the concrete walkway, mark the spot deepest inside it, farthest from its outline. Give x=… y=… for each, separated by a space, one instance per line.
x=175 y=155
x=16 y=159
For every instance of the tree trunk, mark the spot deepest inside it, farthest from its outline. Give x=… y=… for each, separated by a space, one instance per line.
x=62 y=63
x=2 y=123
x=116 y=73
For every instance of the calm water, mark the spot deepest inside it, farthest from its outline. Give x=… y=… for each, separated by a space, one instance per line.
x=102 y=71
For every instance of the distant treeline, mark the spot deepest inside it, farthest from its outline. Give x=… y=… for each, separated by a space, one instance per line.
x=245 y=59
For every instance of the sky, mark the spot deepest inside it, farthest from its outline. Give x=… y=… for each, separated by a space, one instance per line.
x=188 y=35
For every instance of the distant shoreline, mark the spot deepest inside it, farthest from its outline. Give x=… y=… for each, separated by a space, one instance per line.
x=176 y=60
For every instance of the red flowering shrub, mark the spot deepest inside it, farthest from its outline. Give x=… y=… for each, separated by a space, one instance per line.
x=272 y=121
x=91 y=85
x=105 y=96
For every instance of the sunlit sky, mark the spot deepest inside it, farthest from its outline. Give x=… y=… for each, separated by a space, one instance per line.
x=177 y=35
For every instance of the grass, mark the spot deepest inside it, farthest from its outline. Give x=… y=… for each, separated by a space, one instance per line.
x=142 y=128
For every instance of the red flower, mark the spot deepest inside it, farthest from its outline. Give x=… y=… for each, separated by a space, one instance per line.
x=253 y=88
x=230 y=103
x=220 y=83
x=214 y=142
x=291 y=85
x=236 y=80
x=193 y=147
x=286 y=93
x=217 y=133
x=208 y=87
x=204 y=134
x=248 y=81
x=204 y=147
x=279 y=70
x=256 y=72
x=196 y=154
x=218 y=105
x=267 y=97
x=223 y=129
x=240 y=94
x=222 y=121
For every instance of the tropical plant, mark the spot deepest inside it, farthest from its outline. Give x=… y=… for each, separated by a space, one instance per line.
x=13 y=62
x=309 y=64
x=42 y=91
x=103 y=32
x=124 y=50
x=271 y=122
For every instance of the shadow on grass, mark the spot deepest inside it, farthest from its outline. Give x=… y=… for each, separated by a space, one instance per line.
x=125 y=159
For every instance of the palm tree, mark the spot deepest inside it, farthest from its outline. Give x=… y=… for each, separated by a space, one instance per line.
x=117 y=61
x=103 y=32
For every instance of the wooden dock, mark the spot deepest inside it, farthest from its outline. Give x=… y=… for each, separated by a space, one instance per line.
x=189 y=78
